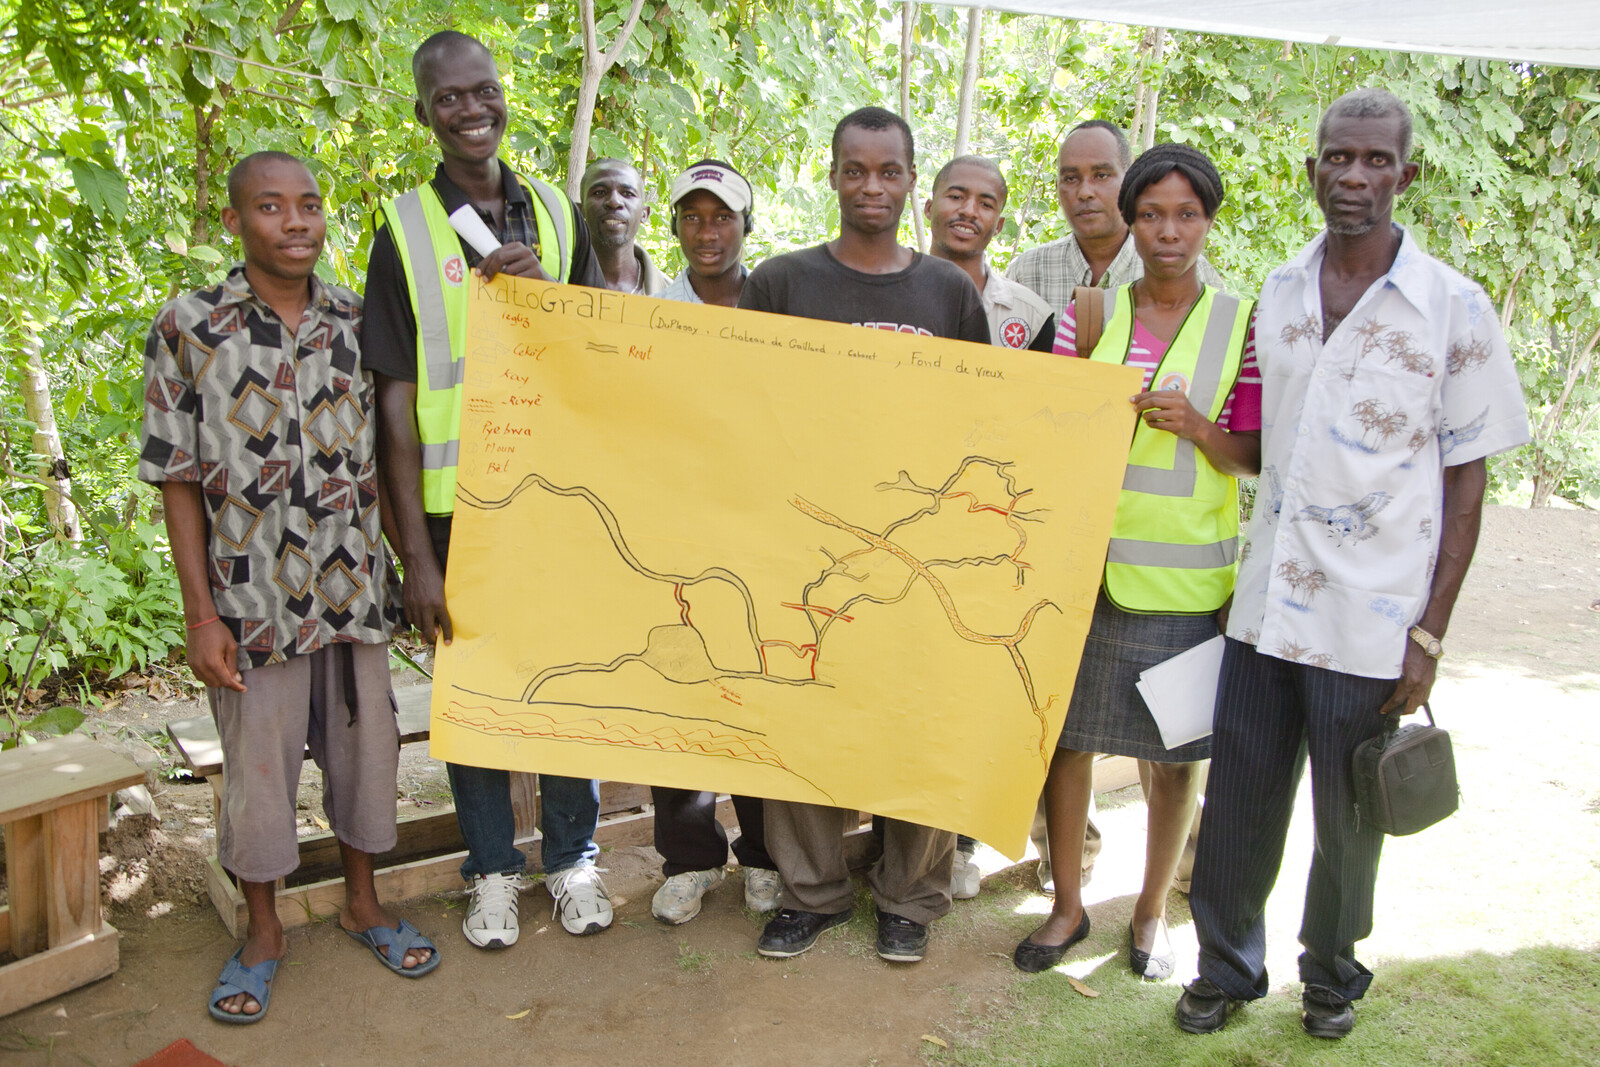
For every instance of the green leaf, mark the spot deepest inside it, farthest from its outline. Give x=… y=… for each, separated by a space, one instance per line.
x=104 y=190
x=59 y=720
x=205 y=254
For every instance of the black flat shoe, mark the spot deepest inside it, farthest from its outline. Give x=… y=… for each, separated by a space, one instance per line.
x=1033 y=957
x=1154 y=968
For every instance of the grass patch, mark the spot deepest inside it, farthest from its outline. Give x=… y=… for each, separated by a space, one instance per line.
x=1536 y=1005
x=691 y=962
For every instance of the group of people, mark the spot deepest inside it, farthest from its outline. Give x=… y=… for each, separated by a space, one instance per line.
x=294 y=427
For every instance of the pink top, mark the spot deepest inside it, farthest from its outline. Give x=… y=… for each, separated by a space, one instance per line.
x=1241 y=412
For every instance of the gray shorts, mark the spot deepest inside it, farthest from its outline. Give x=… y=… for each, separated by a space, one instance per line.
x=337 y=702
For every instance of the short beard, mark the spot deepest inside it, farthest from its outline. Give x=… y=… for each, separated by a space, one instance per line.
x=601 y=239
x=1351 y=227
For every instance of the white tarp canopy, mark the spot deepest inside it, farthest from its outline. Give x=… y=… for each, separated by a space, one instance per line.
x=1562 y=33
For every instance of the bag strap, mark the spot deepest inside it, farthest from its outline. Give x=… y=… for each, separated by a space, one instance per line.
x=1089 y=303
x=1392 y=726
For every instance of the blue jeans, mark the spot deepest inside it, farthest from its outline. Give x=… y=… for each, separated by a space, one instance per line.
x=569 y=808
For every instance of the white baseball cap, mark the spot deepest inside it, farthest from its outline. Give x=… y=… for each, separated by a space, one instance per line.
x=727 y=184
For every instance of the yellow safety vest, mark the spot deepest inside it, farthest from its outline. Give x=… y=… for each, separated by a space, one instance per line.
x=437 y=279
x=1175 y=539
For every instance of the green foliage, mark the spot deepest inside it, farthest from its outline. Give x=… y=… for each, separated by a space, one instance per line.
x=100 y=610
x=119 y=121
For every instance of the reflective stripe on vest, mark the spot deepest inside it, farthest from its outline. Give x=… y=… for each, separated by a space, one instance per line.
x=1175 y=538
x=439 y=292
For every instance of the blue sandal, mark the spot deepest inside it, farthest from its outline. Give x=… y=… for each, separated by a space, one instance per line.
x=253 y=982
x=391 y=945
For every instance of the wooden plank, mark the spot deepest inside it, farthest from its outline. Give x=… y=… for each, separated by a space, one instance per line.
x=623 y=796
x=63 y=770
x=415 y=839
x=27 y=886
x=524 y=803
x=227 y=899
x=5 y=926
x=197 y=742
x=63 y=968
x=414 y=705
x=72 y=871
x=1115 y=772
x=638 y=829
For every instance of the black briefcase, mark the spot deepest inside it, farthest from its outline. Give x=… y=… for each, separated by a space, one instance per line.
x=1405 y=779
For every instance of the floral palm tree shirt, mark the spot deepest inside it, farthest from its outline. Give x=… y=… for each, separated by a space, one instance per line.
x=1356 y=432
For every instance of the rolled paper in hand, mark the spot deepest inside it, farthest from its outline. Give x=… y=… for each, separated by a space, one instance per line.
x=466 y=221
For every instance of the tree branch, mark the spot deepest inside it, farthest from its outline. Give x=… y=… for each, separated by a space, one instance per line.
x=13 y=105
x=325 y=78
x=624 y=35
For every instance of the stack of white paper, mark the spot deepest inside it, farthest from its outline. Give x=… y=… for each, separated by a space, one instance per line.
x=1181 y=692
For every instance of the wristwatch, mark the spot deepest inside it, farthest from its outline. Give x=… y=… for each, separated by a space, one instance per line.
x=1430 y=644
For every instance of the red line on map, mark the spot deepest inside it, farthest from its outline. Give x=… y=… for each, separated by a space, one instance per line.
x=677 y=594
x=1009 y=514
x=808 y=653
x=816 y=607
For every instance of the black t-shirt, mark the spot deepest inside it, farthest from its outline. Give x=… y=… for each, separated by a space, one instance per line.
x=931 y=296
x=389 y=327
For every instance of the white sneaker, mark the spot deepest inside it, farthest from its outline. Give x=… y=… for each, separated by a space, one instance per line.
x=582 y=904
x=678 y=899
x=491 y=920
x=762 y=888
x=964 y=877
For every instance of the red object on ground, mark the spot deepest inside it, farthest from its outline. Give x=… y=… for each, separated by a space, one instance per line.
x=180 y=1054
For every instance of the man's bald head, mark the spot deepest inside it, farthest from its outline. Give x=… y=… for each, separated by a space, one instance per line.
x=239 y=177
x=441 y=46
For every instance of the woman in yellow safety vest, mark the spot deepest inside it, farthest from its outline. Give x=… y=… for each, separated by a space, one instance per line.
x=1173 y=552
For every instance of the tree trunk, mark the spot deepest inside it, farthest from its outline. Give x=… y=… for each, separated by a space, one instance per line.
x=969 y=79
x=908 y=13
x=1152 y=46
x=595 y=65
x=200 y=230
x=582 y=121
x=53 y=473
x=1547 y=471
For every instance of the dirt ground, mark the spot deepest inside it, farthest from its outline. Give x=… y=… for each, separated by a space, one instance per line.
x=1524 y=639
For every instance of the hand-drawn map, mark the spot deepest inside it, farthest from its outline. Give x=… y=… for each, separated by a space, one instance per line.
x=725 y=550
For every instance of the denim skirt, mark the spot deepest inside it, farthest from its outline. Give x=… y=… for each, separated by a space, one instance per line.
x=1107 y=714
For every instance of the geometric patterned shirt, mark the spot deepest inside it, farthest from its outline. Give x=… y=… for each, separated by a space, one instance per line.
x=1356 y=432
x=275 y=425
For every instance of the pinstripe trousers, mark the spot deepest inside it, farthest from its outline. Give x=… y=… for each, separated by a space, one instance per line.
x=1271 y=715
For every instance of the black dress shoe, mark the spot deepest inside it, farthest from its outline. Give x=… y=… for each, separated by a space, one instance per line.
x=1033 y=957
x=1203 y=1008
x=1155 y=968
x=791 y=931
x=1325 y=1013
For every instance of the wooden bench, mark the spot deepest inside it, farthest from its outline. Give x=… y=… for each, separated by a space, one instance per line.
x=53 y=805
x=428 y=852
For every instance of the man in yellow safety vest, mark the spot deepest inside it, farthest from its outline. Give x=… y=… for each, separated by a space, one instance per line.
x=415 y=333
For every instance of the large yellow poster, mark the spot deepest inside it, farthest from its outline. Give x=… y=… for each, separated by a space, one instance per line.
x=726 y=550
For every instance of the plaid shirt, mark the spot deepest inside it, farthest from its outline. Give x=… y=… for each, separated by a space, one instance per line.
x=1055 y=269
x=520 y=225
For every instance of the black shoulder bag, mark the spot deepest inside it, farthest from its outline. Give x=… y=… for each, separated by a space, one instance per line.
x=1405 y=778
